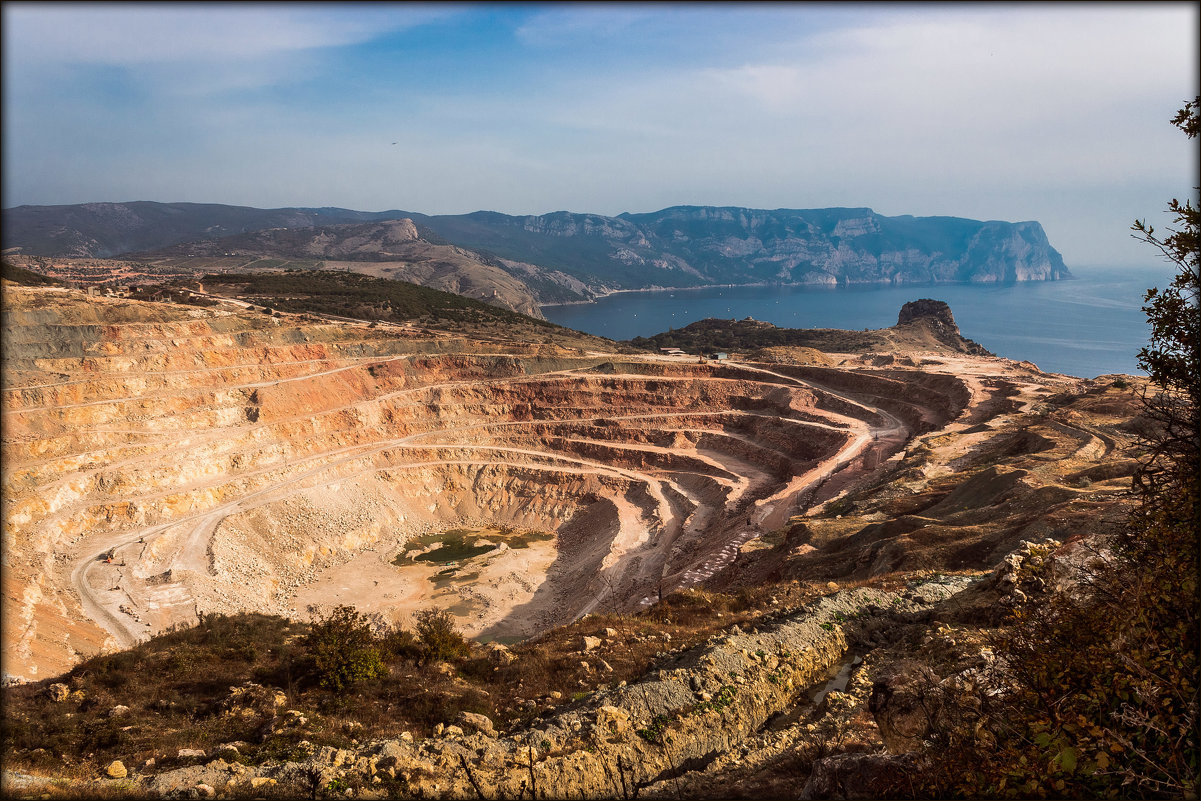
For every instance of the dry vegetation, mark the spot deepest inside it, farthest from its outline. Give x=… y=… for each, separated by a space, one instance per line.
x=194 y=687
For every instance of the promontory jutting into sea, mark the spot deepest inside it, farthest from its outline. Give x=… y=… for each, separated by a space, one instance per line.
x=817 y=268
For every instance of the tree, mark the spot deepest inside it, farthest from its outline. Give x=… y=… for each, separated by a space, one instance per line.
x=1172 y=359
x=1105 y=692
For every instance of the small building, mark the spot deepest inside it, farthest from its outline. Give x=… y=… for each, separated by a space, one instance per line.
x=672 y=352
x=721 y=357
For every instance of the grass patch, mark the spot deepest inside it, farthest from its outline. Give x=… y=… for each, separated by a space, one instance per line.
x=462 y=544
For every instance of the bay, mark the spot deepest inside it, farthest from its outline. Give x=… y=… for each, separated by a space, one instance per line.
x=1088 y=326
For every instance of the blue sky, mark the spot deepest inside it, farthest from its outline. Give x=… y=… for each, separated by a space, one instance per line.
x=1057 y=113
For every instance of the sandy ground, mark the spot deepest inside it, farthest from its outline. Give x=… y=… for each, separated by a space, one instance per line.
x=484 y=591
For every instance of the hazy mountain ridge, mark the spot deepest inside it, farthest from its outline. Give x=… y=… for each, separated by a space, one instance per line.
x=108 y=229
x=565 y=256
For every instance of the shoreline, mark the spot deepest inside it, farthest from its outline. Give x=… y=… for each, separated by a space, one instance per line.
x=602 y=294
x=1077 y=327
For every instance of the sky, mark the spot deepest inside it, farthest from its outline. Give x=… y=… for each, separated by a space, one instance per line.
x=1051 y=112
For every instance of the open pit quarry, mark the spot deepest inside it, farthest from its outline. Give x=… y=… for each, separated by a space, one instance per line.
x=163 y=461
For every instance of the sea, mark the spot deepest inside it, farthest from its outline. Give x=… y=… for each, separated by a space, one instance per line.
x=1090 y=325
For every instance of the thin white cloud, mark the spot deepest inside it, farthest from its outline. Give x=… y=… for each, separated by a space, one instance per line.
x=138 y=34
x=569 y=25
x=1000 y=66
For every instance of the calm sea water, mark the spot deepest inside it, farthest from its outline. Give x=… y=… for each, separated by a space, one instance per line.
x=1086 y=327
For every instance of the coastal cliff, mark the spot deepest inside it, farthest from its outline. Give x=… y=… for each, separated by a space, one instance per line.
x=704 y=245
x=561 y=257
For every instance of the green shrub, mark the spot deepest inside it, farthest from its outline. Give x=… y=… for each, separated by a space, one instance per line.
x=439 y=639
x=342 y=650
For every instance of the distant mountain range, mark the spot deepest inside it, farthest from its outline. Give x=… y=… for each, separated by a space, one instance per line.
x=104 y=230
x=562 y=256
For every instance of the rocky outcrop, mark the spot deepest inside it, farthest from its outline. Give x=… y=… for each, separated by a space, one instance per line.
x=923 y=326
x=936 y=312
x=935 y=316
x=700 y=703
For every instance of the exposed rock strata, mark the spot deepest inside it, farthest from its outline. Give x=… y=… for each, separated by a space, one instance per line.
x=620 y=741
x=162 y=461
x=230 y=461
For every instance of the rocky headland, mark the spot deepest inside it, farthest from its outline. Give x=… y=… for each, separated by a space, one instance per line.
x=520 y=261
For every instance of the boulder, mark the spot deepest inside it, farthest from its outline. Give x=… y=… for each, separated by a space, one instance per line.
x=118 y=711
x=498 y=654
x=58 y=692
x=294 y=717
x=590 y=643
x=251 y=700
x=335 y=757
x=116 y=770
x=471 y=721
